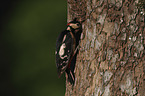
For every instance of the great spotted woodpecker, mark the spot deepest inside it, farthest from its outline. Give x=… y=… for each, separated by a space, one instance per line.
x=67 y=49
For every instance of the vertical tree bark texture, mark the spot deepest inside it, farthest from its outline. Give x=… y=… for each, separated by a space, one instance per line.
x=111 y=59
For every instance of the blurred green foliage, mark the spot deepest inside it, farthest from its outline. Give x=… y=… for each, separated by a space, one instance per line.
x=30 y=36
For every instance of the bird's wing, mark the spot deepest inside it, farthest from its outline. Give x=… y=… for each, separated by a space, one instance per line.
x=64 y=49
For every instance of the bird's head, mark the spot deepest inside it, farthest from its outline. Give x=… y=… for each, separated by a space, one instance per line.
x=74 y=25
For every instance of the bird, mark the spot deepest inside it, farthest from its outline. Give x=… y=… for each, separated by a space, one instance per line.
x=67 y=49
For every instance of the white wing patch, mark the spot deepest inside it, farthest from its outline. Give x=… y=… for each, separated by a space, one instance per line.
x=61 y=51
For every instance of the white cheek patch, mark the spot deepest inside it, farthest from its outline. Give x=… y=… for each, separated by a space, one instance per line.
x=68 y=28
x=61 y=51
x=74 y=26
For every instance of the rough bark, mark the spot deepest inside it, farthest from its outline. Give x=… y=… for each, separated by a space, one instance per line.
x=111 y=59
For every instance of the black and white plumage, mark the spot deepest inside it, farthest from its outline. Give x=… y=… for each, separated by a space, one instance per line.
x=66 y=49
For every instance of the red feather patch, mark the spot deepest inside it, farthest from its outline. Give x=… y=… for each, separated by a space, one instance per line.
x=68 y=24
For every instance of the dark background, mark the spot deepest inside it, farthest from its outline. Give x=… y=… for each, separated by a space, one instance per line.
x=28 y=32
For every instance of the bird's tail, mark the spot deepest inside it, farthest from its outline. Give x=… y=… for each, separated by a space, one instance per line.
x=71 y=76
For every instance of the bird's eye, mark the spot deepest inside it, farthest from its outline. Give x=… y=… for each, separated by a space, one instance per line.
x=78 y=24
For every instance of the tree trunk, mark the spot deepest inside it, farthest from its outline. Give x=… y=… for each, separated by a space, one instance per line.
x=111 y=58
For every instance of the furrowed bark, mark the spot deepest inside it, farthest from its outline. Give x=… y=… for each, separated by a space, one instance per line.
x=111 y=58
